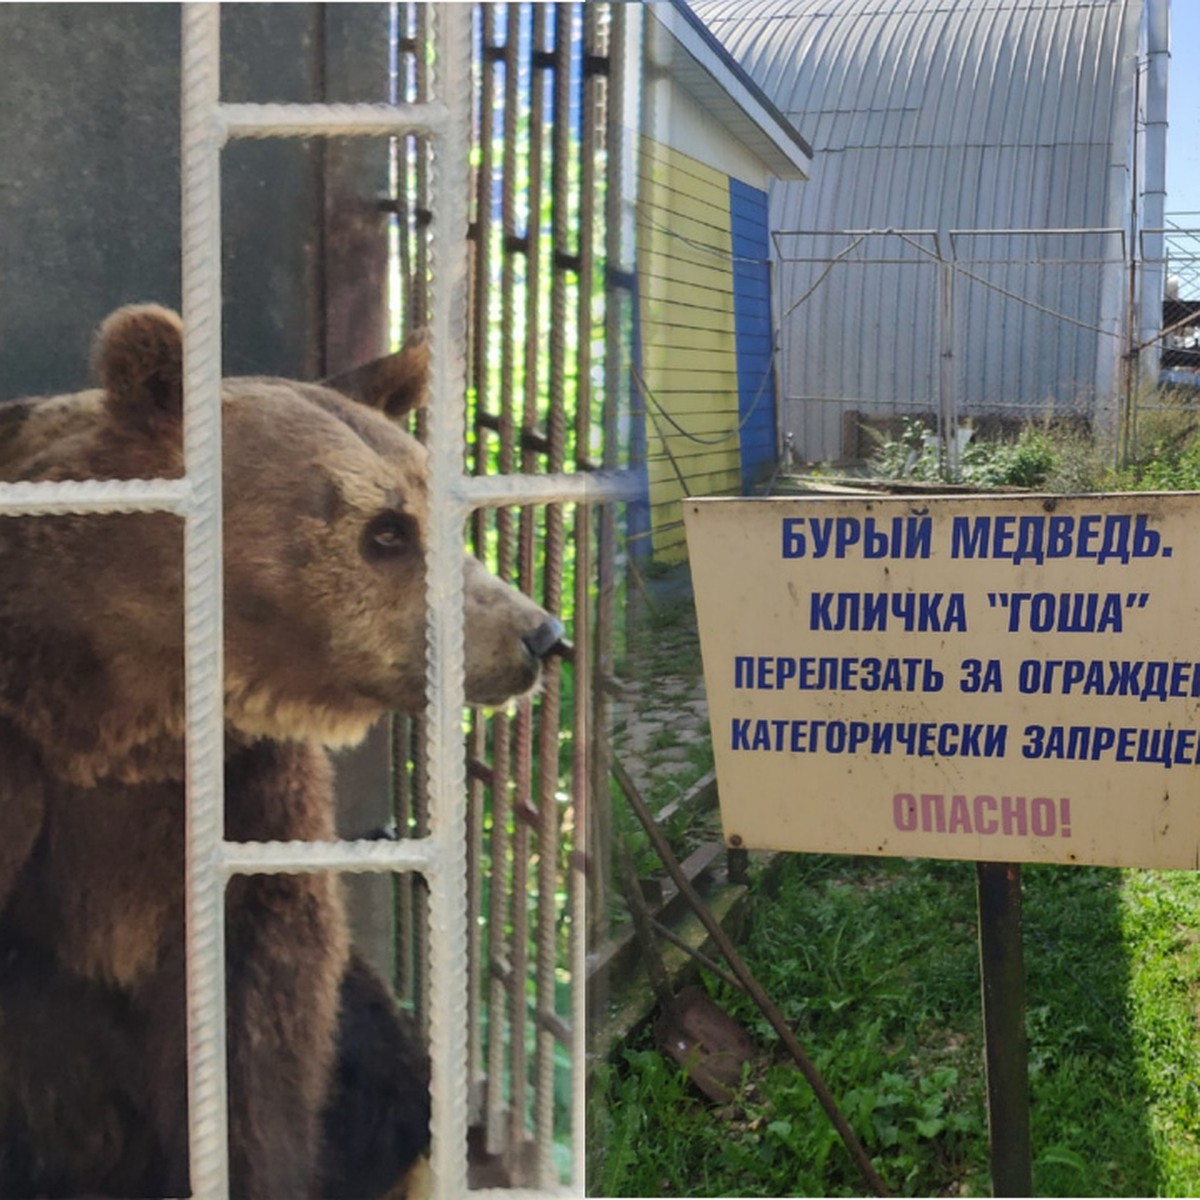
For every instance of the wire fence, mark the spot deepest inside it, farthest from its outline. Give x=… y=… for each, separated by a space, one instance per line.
x=983 y=329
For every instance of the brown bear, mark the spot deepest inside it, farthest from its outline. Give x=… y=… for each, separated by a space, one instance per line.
x=325 y=508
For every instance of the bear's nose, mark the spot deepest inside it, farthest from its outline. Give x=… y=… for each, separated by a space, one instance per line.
x=544 y=638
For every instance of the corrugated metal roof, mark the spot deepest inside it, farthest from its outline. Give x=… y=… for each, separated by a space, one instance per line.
x=946 y=114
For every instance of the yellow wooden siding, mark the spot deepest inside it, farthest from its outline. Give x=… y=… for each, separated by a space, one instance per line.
x=689 y=357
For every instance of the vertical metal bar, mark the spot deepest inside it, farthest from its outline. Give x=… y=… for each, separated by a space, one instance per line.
x=534 y=350
x=600 y=835
x=479 y=367
x=948 y=402
x=203 y=638
x=501 y=838
x=420 y=278
x=503 y=992
x=419 y=888
x=400 y=159
x=532 y=461
x=518 y=967
x=447 y=908
x=556 y=431
x=408 y=979
x=420 y=314
x=1002 y=968
x=583 y=723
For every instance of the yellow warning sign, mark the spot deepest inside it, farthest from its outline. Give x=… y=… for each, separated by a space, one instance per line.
x=997 y=678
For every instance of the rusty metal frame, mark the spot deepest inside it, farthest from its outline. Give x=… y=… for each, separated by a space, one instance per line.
x=538 y=335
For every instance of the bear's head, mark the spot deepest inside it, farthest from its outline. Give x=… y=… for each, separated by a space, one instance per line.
x=325 y=513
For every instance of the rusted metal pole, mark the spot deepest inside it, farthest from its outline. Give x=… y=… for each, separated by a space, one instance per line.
x=753 y=988
x=1002 y=968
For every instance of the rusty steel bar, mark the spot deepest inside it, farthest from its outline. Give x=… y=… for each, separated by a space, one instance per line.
x=600 y=829
x=479 y=869
x=496 y=986
x=554 y=537
x=584 y=727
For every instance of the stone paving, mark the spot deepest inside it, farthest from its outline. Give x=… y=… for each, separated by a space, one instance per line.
x=660 y=723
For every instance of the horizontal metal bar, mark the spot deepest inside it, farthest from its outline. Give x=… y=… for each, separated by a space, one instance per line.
x=290 y=858
x=94 y=496
x=583 y=487
x=331 y=120
x=552 y=1023
x=998 y=231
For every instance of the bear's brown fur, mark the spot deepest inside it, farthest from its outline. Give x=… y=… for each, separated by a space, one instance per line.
x=325 y=506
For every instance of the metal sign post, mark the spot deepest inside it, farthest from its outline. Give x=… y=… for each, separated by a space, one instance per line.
x=1002 y=971
x=995 y=679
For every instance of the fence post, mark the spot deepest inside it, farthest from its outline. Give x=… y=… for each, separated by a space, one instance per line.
x=947 y=404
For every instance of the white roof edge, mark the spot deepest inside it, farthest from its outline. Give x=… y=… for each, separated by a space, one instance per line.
x=724 y=89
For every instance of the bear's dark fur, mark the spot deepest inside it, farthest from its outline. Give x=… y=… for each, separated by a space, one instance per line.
x=84 y=1127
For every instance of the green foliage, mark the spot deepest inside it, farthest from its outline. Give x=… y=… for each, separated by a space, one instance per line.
x=875 y=963
x=1166 y=447
x=1027 y=461
x=1164 y=454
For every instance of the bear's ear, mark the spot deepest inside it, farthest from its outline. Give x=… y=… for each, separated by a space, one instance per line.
x=394 y=384
x=139 y=361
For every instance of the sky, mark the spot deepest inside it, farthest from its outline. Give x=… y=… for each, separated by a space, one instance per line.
x=1183 y=111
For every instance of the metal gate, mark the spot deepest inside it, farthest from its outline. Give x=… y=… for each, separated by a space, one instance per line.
x=532 y=446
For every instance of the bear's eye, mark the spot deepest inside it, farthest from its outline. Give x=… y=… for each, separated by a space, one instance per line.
x=389 y=535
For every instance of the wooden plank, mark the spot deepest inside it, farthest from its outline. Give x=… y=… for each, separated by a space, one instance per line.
x=679 y=380
x=699 y=215
x=657 y=357
x=686 y=321
x=701 y=412
x=704 y=474
x=680 y=283
x=657 y=156
x=675 y=309
x=708 y=246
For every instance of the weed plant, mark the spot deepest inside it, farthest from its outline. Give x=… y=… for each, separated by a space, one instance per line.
x=1164 y=454
x=1028 y=460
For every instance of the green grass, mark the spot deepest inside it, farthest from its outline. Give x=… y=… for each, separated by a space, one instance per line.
x=875 y=963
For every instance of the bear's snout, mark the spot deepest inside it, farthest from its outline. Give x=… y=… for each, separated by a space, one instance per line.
x=544 y=638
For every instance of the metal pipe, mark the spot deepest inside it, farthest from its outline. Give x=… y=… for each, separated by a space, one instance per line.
x=751 y=985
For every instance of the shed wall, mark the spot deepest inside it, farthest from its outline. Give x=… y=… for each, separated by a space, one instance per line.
x=688 y=368
x=983 y=114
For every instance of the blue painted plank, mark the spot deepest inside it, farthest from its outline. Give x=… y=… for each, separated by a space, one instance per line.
x=750 y=244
